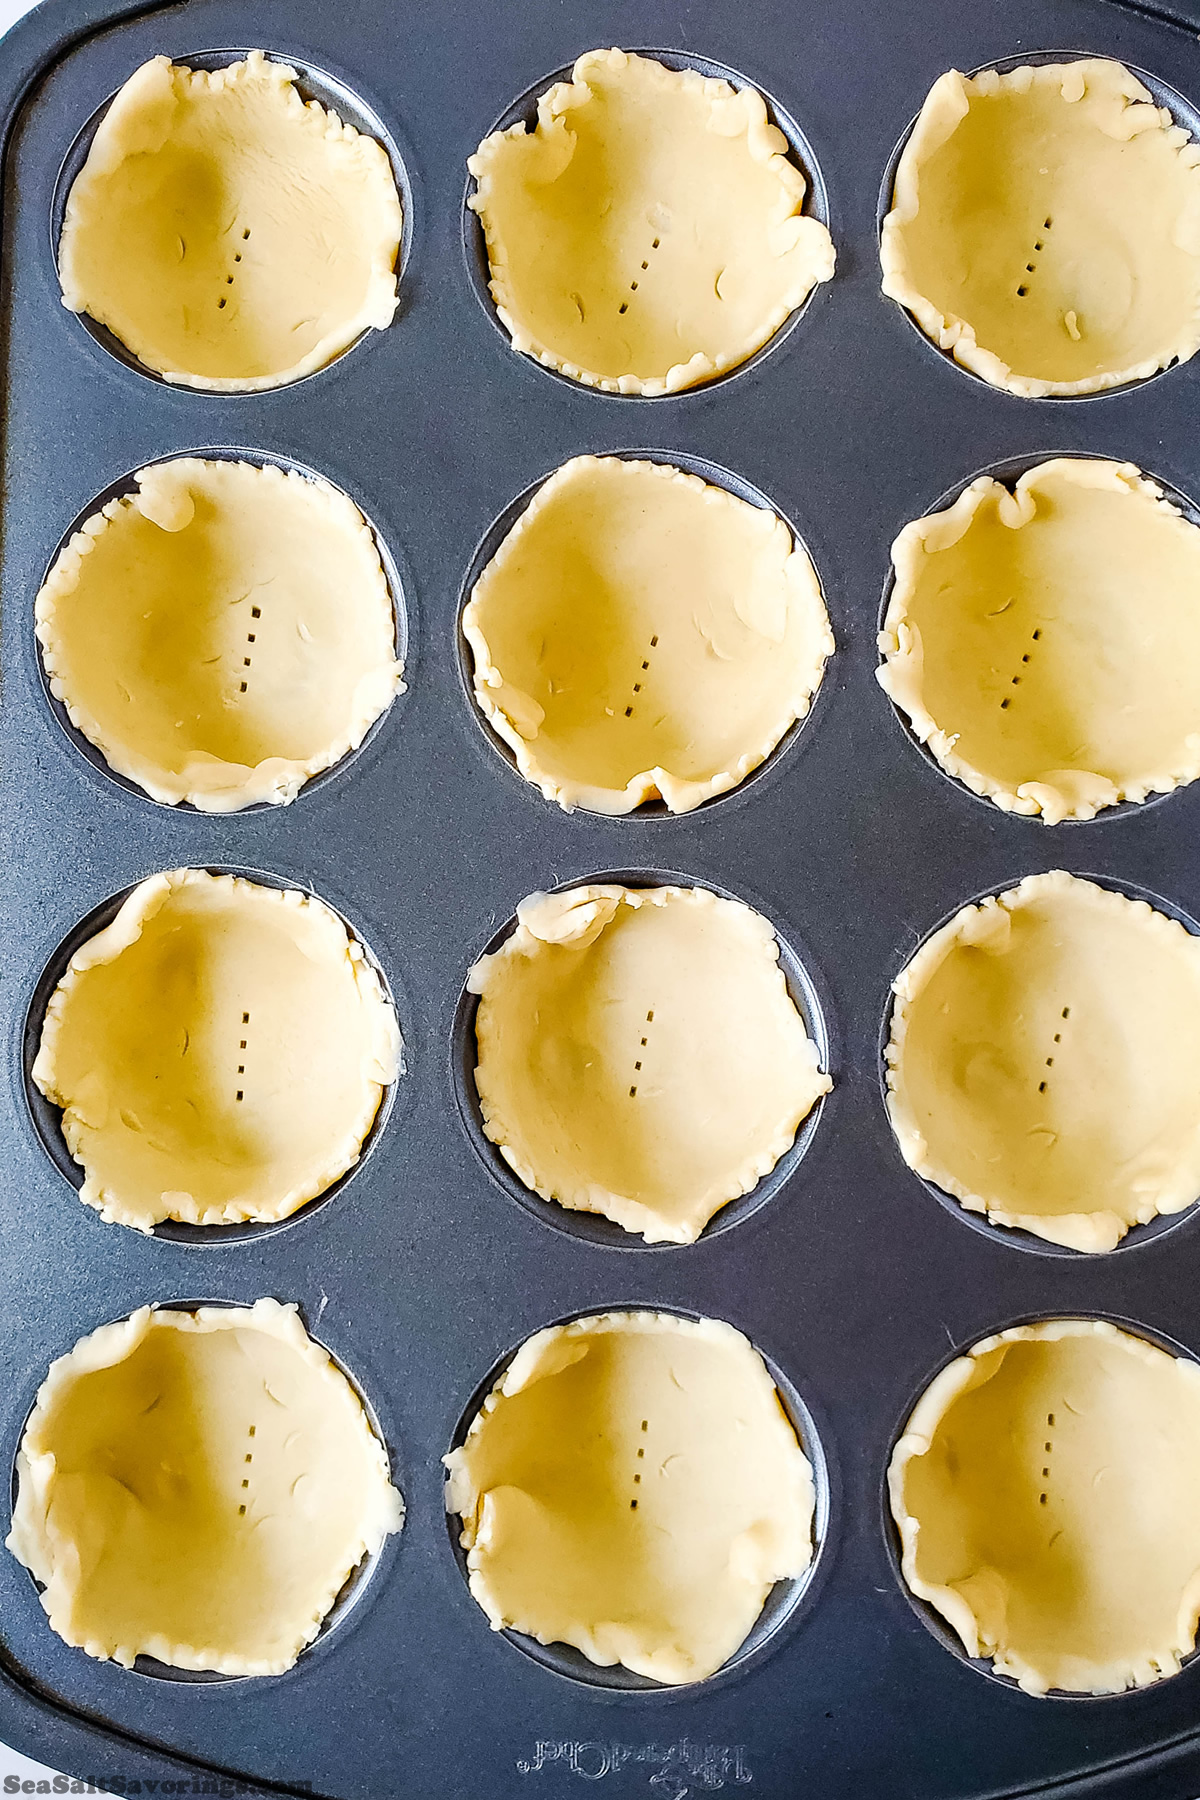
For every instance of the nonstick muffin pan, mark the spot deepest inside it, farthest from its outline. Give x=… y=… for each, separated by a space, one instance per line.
x=422 y=1272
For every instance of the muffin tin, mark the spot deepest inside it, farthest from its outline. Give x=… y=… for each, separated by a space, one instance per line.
x=422 y=1273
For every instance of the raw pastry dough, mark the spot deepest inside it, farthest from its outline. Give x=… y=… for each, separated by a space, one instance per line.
x=197 y=1487
x=232 y=235
x=219 y=1052
x=1044 y=1061
x=640 y=634
x=632 y=1487
x=1047 y=1491
x=223 y=634
x=1045 y=643
x=640 y=1055
x=1045 y=227
x=648 y=234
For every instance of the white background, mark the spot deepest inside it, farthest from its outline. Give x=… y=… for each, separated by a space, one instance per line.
x=11 y=1761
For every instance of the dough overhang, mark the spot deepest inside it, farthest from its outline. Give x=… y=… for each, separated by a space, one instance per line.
x=1045 y=228
x=649 y=233
x=197 y=1487
x=641 y=634
x=220 y=1052
x=1044 y=641
x=232 y=235
x=1046 y=1492
x=633 y=1487
x=222 y=634
x=1044 y=1060
x=639 y=1054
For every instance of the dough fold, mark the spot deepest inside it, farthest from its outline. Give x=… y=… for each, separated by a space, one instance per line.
x=639 y=1054
x=1044 y=1061
x=632 y=1487
x=222 y=634
x=640 y=634
x=649 y=233
x=232 y=235
x=219 y=1052
x=1047 y=1495
x=1045 y=228
x=197 y=1487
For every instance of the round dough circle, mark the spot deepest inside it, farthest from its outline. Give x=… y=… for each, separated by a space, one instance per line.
x=633 y=1487
x=222 y=634
x=1047 y=1493
x=648 y=234
x=219 y=1052
x=1045 y=228
x=1044 y=1061
x=640 y=634
x=232 y=235
x=198 y=1487
x=640 y=1055
x=1044 y=641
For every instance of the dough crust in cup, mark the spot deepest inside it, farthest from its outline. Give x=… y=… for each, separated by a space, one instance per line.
x=1047 y=1494
x=198 y=1487
x=219 y=1052
x=649 y=233
x=632 y=1487
x=1044 y=1061
x=640 y=634
x=1045 y=228
x=223 y=634
x=1044 y=641
x=640 y=1055
x=232 y=235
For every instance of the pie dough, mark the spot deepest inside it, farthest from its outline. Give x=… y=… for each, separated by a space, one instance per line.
x=640 y=1055
x=197 y=1487
x=222 y=634
x=640 y=634
x=1045 y=227
x=648 y=234
x=1044 y=1061
x=231 y=235
x=1047 y=1491
x=632 y=1487
x=1045 y=642
x=219 y=1052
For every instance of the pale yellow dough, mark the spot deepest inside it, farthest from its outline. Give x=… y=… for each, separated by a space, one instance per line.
x=648 y=235
x=219 y=1051
x=222 y=634
x=632 y=1487
x=1047 y=1492
x=197 y=1487
x=230 y=234
x=1045 y=642
x=1044 y=1061
x=640 y=1055
x=1045 y=228
x=640 y=634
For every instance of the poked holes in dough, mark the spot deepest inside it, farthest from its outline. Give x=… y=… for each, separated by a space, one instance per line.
x=251 y=637
x=1023 y=289
x=638 y=685
x=637 y=1070
x=249 y=1458
x=633 y=286
x=1070 y=318
x=1049 y=1063
x=637 y=1479
x=1016 y=680
x=241 y=1046
x=229 y=278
